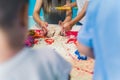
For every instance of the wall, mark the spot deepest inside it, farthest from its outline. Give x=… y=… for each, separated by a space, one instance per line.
x=31 y=7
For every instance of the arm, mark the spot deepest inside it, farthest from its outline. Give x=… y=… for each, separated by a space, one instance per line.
x=81 y=14
x=37 y=17
x=85 y=37
x=37 y=11
x=85 y=50
x=68 y=13
x=70 y=24
x=74 y=4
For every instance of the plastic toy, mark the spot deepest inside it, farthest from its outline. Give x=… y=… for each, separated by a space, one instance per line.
x=72 y=40
x=33 y=35
x=79 y=56
x=49 y=41
x=29 y=41
x=60 y=8
x=71 y=33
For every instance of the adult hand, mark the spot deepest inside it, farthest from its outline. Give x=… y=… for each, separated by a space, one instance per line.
x=67 y=26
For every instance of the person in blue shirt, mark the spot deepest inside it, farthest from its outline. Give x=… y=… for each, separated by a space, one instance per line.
x=100 y=38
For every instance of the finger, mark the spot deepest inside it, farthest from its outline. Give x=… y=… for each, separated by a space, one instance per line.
x=60 y=22
x=63 y=29
x=66 y=27
x=44 y=31
x=46 y=24
x=62 y=33
x=44 y=28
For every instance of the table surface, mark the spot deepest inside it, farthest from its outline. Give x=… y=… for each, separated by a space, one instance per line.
x=81 y=69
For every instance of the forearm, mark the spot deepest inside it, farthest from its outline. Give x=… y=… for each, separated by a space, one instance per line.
x=36 y=12
x=85 y=50
x=67 y=19
x=78 y=18
x=68 y=14
x=36 y=17
x=74 y=4
x=81 y=14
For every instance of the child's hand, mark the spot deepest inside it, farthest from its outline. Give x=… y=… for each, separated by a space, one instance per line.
x=44 y=26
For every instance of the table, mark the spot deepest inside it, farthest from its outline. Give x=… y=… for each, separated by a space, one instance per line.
x=81 y=69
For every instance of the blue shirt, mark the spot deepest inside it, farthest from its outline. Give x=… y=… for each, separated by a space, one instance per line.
x=102 y=33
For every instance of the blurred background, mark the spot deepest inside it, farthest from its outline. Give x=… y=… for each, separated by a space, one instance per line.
x=31 y=8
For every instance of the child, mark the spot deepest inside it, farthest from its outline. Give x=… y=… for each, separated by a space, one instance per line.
x=51 y=16
x=82 y=7
x=18 y=62
x=100 y=38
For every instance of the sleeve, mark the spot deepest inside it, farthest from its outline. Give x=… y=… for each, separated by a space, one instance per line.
x=85 y=38
x=85 y=35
